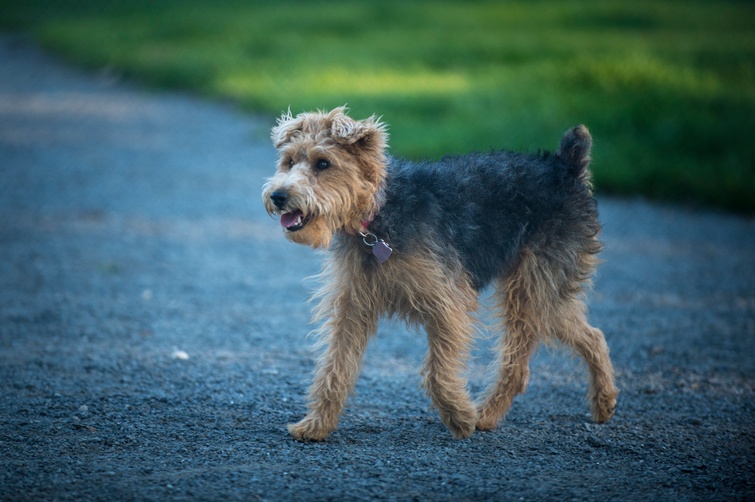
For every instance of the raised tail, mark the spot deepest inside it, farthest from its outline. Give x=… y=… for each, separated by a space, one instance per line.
x=575 y=151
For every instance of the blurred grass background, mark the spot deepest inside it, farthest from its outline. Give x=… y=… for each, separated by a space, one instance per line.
x=666 y=87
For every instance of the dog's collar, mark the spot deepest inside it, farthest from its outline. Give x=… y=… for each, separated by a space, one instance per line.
x=366 y=223
x=380 y=249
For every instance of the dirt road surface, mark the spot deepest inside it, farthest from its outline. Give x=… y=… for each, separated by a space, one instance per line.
x=153 y=327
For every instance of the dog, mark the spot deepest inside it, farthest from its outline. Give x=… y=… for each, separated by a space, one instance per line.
x=420 y=240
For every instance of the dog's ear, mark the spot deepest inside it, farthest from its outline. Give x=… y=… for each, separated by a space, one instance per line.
x=287 y=127
x=345 y=130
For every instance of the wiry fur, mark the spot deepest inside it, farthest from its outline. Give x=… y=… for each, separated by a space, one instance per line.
x=527 y=223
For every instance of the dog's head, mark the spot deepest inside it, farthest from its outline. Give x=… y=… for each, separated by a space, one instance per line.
x=330 y=168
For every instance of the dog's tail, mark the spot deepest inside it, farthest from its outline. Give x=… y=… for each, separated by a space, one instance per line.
x=575 y=151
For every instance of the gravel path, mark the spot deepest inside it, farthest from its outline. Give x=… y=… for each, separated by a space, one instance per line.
x=153 y=322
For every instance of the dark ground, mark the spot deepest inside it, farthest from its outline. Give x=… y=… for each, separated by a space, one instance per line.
x=153 y=322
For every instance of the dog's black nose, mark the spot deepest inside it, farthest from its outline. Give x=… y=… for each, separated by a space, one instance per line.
x=279 y=198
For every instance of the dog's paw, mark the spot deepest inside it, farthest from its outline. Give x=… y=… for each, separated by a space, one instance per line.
x=493 y=411
x=603 y=405
x=461 y=423
x=486 y=423
x=462 y=431
x=309 y=429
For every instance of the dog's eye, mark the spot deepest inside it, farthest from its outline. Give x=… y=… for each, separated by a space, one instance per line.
x=290 y=163
x=322 y=164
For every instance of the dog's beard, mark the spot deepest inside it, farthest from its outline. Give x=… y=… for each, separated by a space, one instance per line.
x=315 y=234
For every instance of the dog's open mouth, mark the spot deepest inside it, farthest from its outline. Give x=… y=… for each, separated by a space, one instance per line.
x=293 y=220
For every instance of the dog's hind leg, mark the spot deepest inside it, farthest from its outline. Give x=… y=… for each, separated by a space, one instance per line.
x=528 y=309
x=449 y=335
x=540 y=302
x=590 y=343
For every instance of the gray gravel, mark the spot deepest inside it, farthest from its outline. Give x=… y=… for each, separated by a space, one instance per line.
x=153 y=323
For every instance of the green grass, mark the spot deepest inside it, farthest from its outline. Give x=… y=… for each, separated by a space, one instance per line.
x=666 y=87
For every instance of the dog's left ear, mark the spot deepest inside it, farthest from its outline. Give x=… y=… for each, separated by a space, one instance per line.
x=287 y=127
x=348 y=131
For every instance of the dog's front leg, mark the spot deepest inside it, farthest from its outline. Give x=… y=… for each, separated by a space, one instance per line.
x=345 y=333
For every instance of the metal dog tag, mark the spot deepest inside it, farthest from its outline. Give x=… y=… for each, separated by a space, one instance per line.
x=382 y=251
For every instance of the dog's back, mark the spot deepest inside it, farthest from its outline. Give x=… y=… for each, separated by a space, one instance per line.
x=484 y=208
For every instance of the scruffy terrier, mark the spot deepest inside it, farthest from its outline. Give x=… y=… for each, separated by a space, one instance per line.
x=421 y=240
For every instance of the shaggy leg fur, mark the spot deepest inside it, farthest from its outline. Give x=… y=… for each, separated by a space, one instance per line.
x=524 y=323
x=590 y=343
x=346 y=335
x=535 y=308
x=449 y=338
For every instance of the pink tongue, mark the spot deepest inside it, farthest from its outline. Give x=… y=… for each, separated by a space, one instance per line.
x=288 y=220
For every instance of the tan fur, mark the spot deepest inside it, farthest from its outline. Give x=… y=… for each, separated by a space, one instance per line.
x=351 y=302
x=336 y=201
x=539 y=301
x=539 y=305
